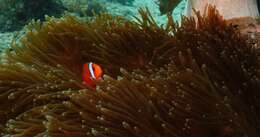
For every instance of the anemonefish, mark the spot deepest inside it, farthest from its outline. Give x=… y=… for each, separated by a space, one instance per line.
x=92 y=73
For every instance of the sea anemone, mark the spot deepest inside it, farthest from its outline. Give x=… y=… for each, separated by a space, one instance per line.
x=199 y=79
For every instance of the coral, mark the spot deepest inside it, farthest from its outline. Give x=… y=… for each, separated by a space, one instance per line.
x=258 y=5
x=229 y=9
x=167 y=6
x=16 y=13
x=199 y=79
x=84 y=8
x=124 y=2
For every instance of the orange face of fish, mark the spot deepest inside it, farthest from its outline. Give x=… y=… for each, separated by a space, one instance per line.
x=91 y=73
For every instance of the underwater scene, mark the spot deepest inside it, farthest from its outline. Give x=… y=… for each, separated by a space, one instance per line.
x=129 y=68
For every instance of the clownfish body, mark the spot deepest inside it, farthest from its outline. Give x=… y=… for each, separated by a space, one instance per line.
x=91 y=74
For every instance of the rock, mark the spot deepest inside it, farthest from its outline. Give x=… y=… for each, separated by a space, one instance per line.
x=248 y=27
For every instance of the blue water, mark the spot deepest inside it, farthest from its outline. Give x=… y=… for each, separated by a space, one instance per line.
x=14 y=14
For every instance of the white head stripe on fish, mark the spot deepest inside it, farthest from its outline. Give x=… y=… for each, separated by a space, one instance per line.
x=90 y=67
